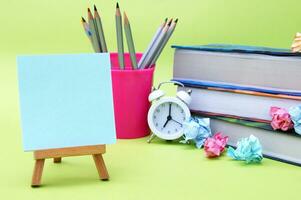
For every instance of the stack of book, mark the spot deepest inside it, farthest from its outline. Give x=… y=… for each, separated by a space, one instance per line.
x=236 y=86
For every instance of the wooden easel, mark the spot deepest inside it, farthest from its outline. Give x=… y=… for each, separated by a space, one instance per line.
x=96 y=151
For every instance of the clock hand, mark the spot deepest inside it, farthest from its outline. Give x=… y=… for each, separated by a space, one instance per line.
x=168 y=119
x=165 y=123
x=177 y=122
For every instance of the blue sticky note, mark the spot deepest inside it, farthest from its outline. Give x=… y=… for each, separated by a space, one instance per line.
x=66 y=100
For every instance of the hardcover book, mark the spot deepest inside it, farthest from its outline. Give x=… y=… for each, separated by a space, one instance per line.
x=275 y=145
x=255 y=106
x=245 y=65
x=236 y=86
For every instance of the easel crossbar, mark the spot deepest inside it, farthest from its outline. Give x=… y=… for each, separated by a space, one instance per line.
x=69 y=151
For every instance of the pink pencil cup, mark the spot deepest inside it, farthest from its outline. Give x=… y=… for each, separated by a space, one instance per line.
x=130 y=91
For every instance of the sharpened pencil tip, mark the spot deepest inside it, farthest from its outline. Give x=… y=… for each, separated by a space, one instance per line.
x=95 y=9
x=90 y=16
x=169 y=23
x=176 y=20
x=117 y=5
x=126 y=20
x=166 y=19
x=83 y=19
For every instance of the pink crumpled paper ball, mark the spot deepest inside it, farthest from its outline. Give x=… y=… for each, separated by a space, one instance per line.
x=281 y=119
x=215 y=145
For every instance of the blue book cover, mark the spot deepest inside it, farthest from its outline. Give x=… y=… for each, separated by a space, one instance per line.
x=229 y=48
x=206 y=84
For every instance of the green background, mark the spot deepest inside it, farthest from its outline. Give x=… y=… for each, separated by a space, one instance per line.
x=139 y=170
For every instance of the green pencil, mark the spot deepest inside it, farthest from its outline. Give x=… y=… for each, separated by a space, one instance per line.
x=97 y=35
x=129 y=40
x=119 y=37
x=100 y=30
x=93 y=31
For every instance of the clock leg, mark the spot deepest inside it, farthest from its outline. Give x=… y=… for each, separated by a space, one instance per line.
x=151 y=138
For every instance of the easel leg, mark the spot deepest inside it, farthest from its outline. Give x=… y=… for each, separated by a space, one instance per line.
x=57 y=160
x=101 y=167
x=37 y=173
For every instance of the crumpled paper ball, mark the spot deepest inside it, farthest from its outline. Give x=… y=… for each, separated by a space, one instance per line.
x=295 y=113
x=296 y=45
x=281 y=119
x=248 y=149
x=215 y=145
x=196 y=129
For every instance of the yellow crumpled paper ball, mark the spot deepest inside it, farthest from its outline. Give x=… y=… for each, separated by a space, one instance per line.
x=296 y=46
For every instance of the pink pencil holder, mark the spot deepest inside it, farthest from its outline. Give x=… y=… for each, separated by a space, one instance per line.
x=130 y=91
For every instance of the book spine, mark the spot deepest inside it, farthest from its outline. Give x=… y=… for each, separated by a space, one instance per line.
x=257 y=91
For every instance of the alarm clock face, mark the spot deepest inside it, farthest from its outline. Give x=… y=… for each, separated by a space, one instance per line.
x=166 y=118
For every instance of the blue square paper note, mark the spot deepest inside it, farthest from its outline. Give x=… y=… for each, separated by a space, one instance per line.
x=66 y=101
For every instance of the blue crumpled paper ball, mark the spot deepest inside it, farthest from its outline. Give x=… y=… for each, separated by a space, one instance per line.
x=196 y=129
x=295 y=113
x=248 y=149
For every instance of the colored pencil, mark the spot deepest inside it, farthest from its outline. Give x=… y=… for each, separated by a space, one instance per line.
x=129 y=40
x=86 y=27
x=166 y=38
x=156 y=46
x=87 y=31
x=97 y=35
x=93 y=31
x=119 y=35
x=155 y=37
x=100 y=30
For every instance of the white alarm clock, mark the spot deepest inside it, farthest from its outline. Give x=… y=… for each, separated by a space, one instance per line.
x=167 y=114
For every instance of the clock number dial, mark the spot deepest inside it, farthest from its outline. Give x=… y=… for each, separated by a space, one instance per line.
x=168 y=118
